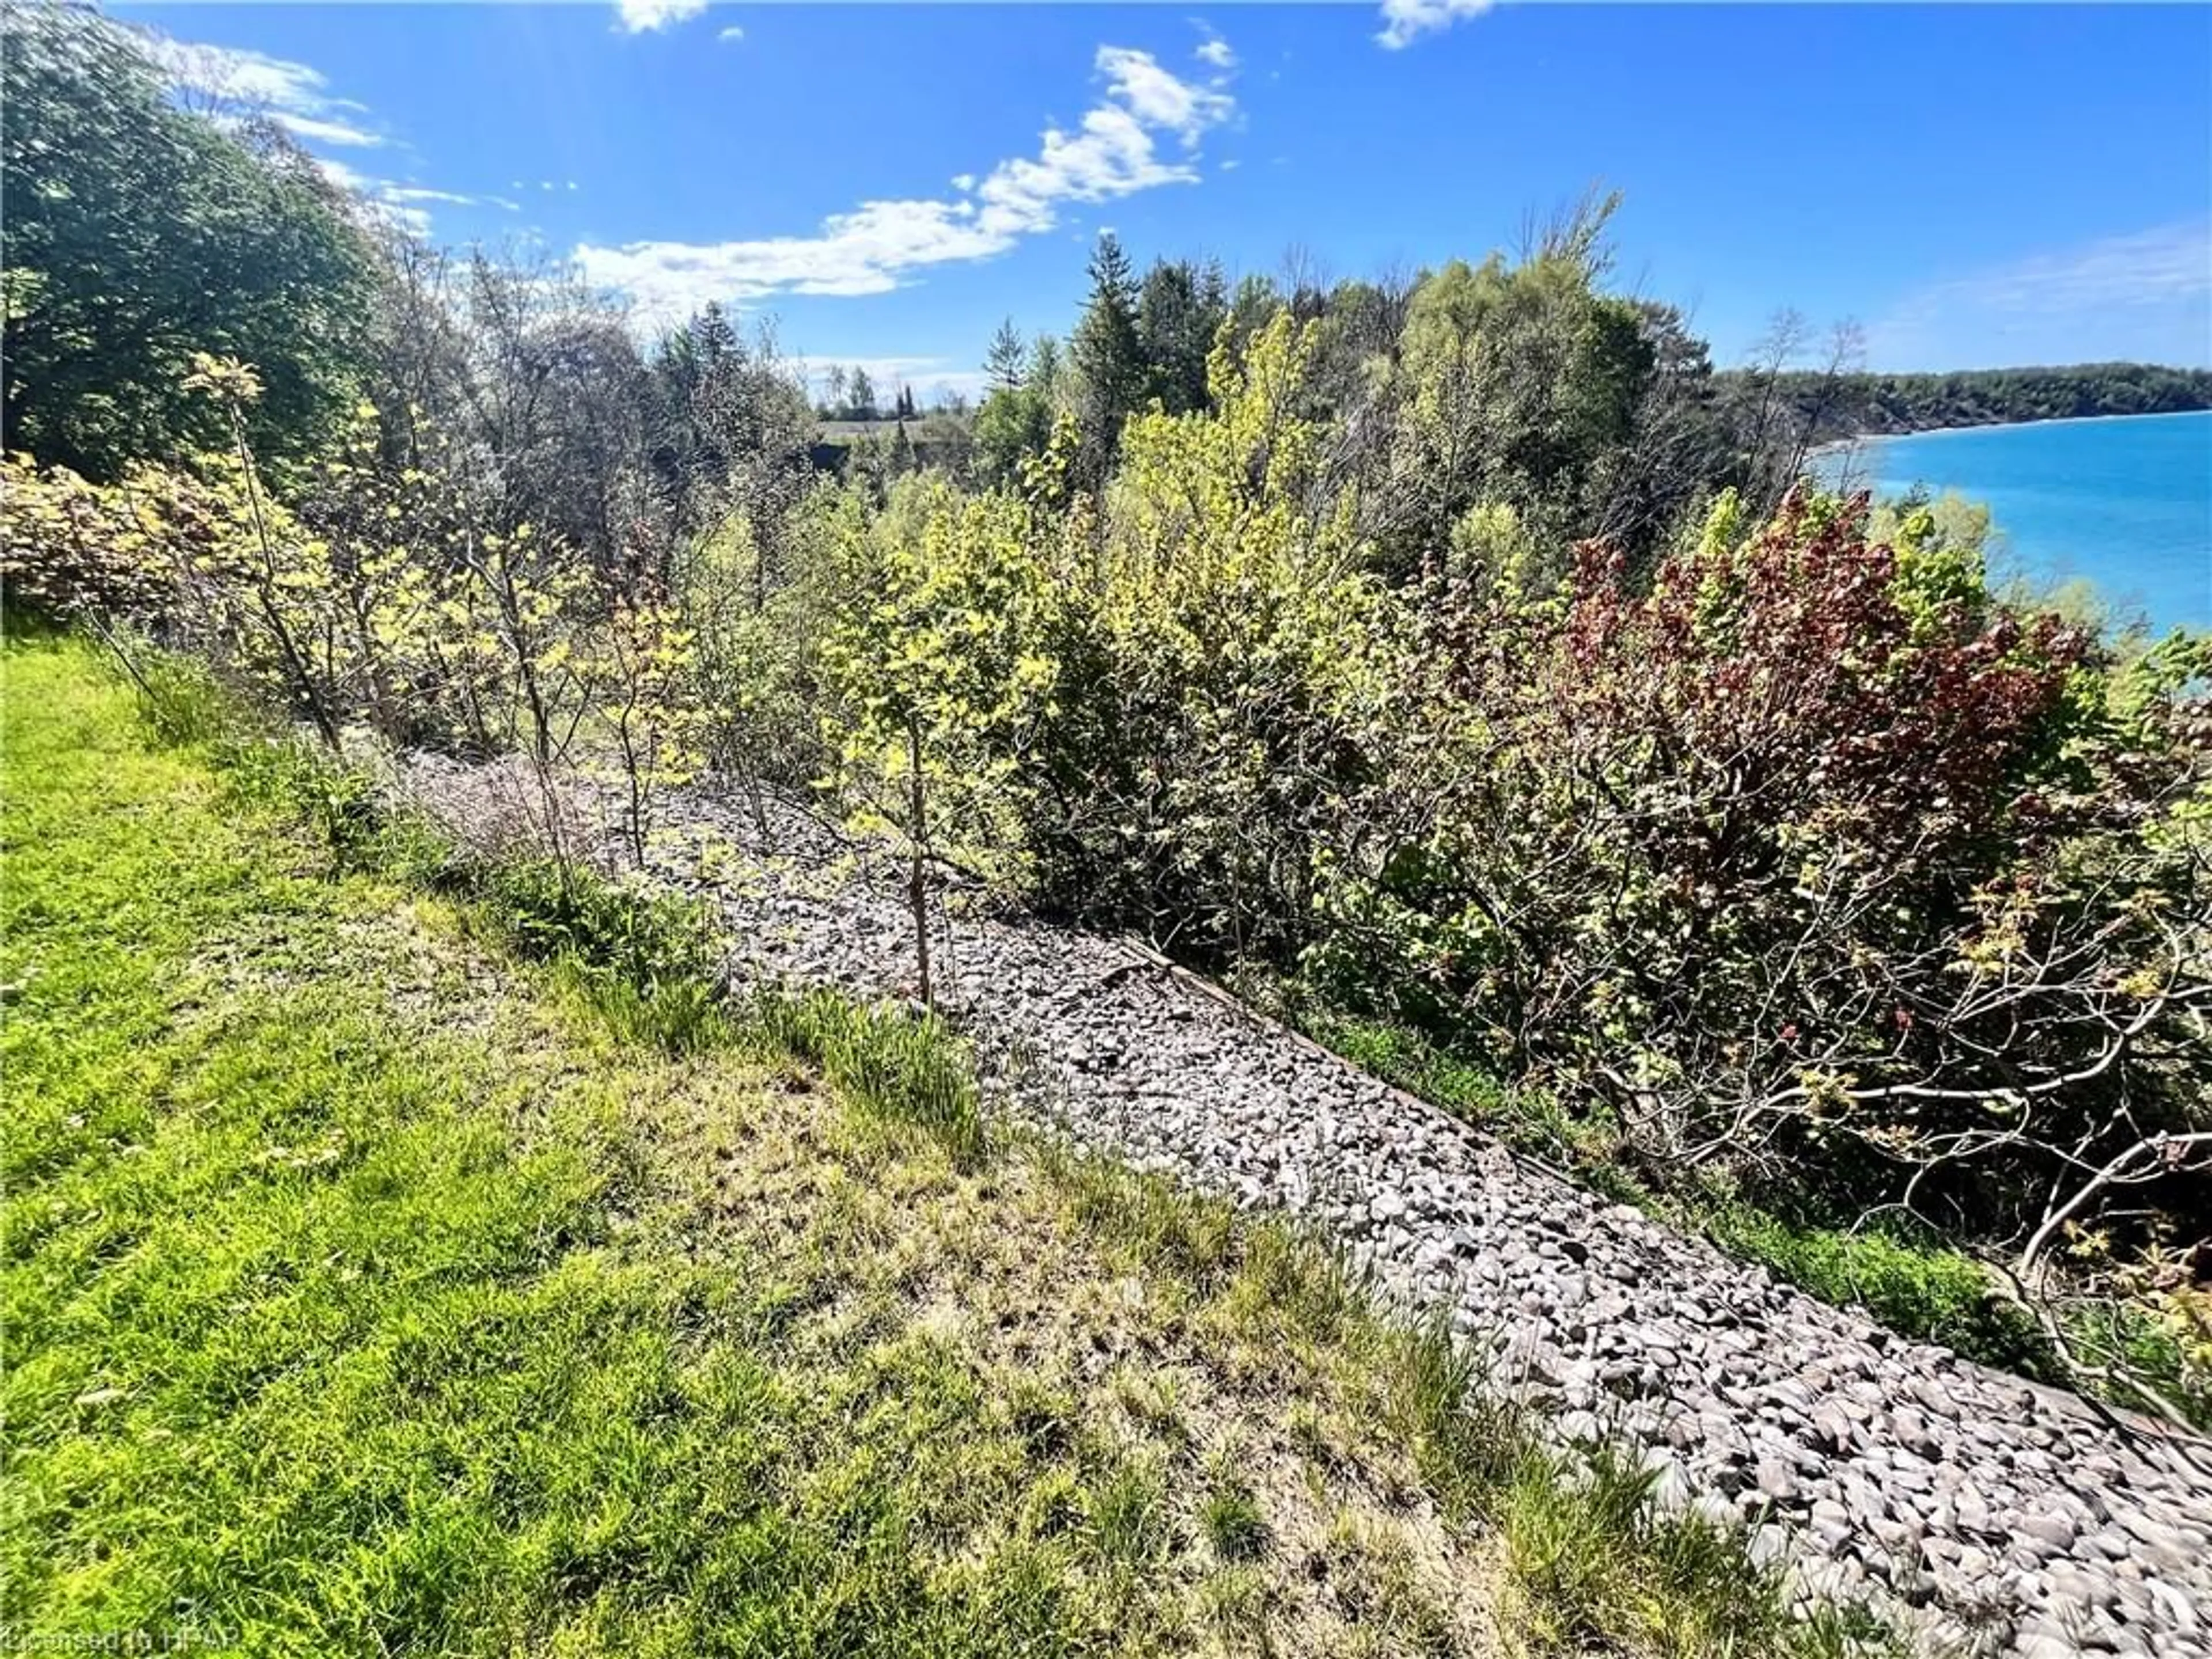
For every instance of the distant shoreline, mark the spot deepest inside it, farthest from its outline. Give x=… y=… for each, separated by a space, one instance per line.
x=1857 y=438
x=2127 y=513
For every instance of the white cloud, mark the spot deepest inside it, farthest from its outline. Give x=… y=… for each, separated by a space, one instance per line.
x=875 y=246
x=235 y=81
x=230 y=83
x=343 y=177
x=314 y=130
x=404 y=204
x=229 y=73
x=731 y=35
x=417 y=193
x=1157 y=98
x=1405 y=22
x=2146 y=294
x=638 y=16
x=1218 y=52
x=963 y=182
x=398 y=204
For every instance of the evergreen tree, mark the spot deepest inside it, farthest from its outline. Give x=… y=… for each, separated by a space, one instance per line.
x=1046 y=360
x=1177 y=315
x=712 y=337
x=1007 y=361
x=1109 y=357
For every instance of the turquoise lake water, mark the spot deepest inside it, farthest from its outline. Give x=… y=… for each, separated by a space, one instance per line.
x=2126 y=502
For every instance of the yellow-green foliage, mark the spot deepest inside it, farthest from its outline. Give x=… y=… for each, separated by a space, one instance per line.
x=935 y=675
x=1219 y=646
x=1136 y=702
x=759 y=646
x=644 y=679
x=71 y=547
x=376 y=602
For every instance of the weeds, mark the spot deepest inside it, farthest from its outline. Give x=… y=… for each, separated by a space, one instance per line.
x=907 y=1068
x=1229 y=1514
x=180 y=699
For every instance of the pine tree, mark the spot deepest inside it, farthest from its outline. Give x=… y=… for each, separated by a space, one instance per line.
x=1109 y=357
x=1177 y=315
x=713 y=338
x=1007 y=361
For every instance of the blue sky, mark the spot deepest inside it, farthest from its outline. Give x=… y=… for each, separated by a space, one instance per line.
x=1975 y=185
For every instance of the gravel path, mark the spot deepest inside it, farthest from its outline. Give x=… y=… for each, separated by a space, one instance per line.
x=2009 y=1518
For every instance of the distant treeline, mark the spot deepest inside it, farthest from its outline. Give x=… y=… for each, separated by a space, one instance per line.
x=1847 y=404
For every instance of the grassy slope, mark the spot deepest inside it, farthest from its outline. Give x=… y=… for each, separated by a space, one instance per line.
x=364 y=1294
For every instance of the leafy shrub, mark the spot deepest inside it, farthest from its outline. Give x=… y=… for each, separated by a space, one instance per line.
x=71 y=547
x=1810 y=862
x=1215 y=638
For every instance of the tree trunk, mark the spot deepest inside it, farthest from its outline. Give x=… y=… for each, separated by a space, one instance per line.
x=918 y=868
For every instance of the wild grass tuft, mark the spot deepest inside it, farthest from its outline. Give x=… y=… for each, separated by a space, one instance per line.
x=904 y=1067
x=648 y=961
x=1229 y=1514
x=181 y=701
x=1167 y=1229
x=1466 y=1439
x=1126 y=1518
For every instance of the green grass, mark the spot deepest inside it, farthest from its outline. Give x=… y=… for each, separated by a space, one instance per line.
x=905 y=1067
x=374 y=1284
x=1922 y=1289
x=334 y=1328
x=1229 y=1514
x=1528 y=1119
